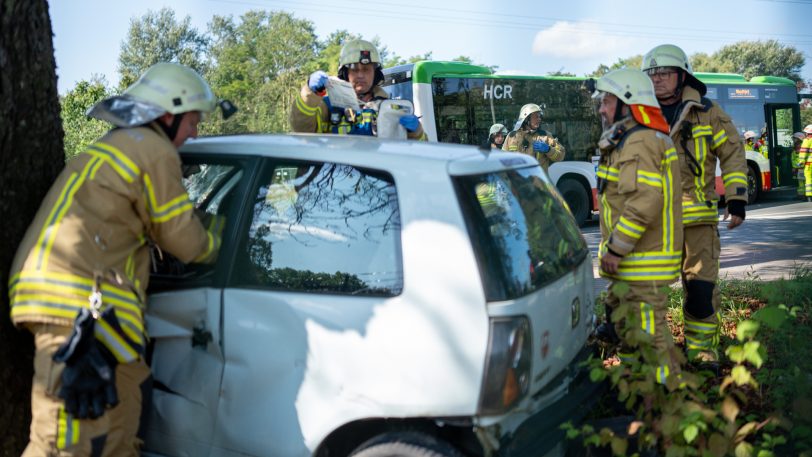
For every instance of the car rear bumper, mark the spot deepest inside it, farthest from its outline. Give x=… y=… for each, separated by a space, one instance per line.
x=541 y=432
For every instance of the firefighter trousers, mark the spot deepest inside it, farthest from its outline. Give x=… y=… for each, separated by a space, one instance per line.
x=56 y=433
x=700 y=273
x=808 y=179
x=647 y=305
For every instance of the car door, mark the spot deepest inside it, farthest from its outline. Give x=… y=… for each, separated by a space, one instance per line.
x=184 y=317
x=321 y=253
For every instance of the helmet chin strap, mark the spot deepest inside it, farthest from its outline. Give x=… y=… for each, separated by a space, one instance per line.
x=172 y=130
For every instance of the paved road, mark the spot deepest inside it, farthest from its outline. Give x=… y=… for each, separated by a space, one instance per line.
x=774 y=241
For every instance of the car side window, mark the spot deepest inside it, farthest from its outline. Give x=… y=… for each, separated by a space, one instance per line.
x=213 y=190
x=522 y=233
x=323 y=228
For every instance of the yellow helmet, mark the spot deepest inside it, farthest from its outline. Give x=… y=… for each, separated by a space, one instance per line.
x=632 y=87
x=527 y=110
x=669 y=55
x=174 y=87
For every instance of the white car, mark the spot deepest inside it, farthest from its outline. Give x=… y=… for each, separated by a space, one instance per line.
x=370 y=298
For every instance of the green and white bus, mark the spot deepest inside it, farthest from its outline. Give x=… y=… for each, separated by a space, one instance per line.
x=459 y=102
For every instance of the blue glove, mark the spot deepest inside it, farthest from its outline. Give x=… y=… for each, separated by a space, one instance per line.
x=317 y=81
x=540 y=146
x=410 y=122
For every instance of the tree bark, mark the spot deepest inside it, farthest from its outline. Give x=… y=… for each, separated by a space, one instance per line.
x=31 y=155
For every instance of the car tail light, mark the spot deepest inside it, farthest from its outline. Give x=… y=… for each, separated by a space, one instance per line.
x=507 y=365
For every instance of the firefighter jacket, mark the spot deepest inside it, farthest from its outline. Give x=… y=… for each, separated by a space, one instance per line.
x=312 y=113
x=640 y=214
x=521 y=140
x=805 y=153
x=95 y=227
x=703 y=134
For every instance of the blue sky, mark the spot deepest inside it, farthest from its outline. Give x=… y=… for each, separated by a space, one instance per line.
x=521 y=36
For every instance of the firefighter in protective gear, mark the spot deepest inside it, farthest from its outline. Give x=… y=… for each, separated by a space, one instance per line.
x=360 y=64
x=529 y=139
x=88 y=247
x=805 y=158
x=750 y=141
x=703 y=135
x=496 y=136
x=797 y=166
x=641 y=229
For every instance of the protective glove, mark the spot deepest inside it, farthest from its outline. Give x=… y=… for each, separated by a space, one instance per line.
x=317 y=81
x=410 y=122
x=736 y=208
x=89 y=377
x=540 y=146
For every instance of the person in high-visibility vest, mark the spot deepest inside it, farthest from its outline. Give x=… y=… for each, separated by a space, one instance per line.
x=797 y=165
x=704 y=136
x=750 y=141
x=641 y=216
x=805 y=157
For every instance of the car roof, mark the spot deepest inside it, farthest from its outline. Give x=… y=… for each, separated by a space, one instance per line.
x=360 y=151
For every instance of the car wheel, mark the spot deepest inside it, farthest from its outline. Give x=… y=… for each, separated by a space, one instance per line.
x=405 y=444
x=577 y=199
x=752 y=185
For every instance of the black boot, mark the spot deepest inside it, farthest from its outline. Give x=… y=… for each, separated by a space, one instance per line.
x=606 y=333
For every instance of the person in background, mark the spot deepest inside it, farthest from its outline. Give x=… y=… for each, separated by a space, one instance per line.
x=750 y=141
x=88 y=252
x=704 y=136
x=496 y=136
x=805 y=158
x=797 y=166
x=360 y=64
x=529 y=139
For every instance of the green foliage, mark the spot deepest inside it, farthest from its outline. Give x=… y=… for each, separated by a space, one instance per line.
x=755 y=58
x=80 y=131
x=259 y=63
x=159 y=37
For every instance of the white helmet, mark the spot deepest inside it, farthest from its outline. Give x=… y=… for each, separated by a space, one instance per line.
x=669 y=55
x=808 y=129
x=164 y=88
x=632 y=87
x=749 y=135
x=497 y=128
x=174 y=87
x=527 y=110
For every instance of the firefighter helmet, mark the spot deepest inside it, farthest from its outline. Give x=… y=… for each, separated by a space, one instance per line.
x=497 y=128
x=359 y=51
x=174 y=87
x=527 y=110
x=631 y=87
x=749 y=135
x=669 y=55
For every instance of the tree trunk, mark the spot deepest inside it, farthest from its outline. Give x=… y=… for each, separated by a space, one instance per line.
x=31 y=155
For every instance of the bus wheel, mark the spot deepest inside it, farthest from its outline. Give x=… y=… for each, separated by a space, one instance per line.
x=405 y=444
x=577 y=199
x=753 y=185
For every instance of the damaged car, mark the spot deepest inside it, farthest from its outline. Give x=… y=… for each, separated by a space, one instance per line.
x=370 y=298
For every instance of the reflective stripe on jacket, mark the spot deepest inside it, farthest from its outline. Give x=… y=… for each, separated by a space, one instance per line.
x=640 y=214
x=312 y=113
x=97 y=220
x=522 y=141
x=703 y=134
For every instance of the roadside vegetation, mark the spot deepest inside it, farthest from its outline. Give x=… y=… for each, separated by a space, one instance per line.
x=759 y=404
